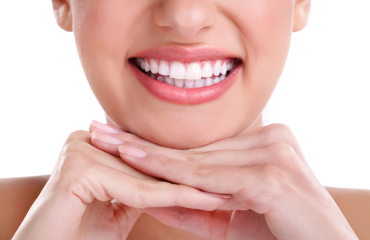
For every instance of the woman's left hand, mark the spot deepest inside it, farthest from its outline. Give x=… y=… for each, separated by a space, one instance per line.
x=263 y=171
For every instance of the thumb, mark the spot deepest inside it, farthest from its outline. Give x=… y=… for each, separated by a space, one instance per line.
x=112 y=137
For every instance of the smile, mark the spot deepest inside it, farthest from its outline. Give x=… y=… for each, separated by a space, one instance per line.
x=186 y=76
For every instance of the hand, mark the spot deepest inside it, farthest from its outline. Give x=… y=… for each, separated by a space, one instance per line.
x=94 y=195
x=265 y=171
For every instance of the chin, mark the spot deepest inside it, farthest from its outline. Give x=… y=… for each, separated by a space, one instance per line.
x=183 y=141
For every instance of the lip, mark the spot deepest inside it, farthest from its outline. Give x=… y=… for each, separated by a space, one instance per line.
x=188 y=96
x=185 y=54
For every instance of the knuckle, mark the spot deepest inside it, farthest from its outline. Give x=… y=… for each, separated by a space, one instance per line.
x=73 y=161
x=73 y=171
x=197 y=156
x=141 y=203
x=281 y=152
x=200 y=170
x=278 y=133
x=144 y=185
x=78 y=135
x=144 y=189
x=74 y=146
x=274 y=175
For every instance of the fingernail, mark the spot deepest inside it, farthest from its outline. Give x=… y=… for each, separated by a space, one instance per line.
x=106 y=138
x=106 y=128
x=134 y=152
x=218 y=195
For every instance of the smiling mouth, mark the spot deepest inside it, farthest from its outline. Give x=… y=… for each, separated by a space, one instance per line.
x=197 y=74
x=183 y=75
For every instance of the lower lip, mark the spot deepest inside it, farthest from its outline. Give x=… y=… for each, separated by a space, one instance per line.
x=187 y=96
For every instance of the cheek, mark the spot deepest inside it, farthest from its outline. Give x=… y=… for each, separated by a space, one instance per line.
x=104 y=35
x=266 y=28
x=102 y=31
x=265 y=24
x=106 y=31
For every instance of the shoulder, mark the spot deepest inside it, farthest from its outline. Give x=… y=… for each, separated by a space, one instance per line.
x=16 y=197
x=355 y=206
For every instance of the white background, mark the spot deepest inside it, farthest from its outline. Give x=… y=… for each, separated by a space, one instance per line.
x=323 y=94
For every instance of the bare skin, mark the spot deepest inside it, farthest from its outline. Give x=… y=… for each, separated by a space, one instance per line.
x=143 y=226
x=236 y=179
x=18 y=194
x=353 y=203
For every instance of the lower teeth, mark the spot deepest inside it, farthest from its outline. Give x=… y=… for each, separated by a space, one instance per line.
x=185 y=83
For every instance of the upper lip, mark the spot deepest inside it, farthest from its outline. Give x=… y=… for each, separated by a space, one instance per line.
x=185 y=54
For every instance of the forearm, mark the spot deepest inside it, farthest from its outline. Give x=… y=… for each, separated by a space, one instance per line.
x=16 y=197
x=355 y=206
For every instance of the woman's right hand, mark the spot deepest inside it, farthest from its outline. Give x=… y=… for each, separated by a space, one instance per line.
x=94 y=195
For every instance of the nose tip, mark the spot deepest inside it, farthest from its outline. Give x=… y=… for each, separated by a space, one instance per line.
x=186 y=17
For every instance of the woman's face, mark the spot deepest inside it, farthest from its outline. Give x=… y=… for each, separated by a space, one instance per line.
x=111 y=34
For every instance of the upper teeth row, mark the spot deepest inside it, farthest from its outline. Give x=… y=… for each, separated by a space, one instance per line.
x=179 y=70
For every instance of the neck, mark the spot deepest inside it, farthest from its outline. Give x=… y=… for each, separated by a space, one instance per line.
x=147 y=227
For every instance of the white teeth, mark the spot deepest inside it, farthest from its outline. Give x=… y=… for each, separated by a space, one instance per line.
x=216 y=80
x=163 y=68
x=138 y=61
x=189 y=83
x=161 y=78
x=177 y=70
x=223 y=68
x=217 y=68
x=153 y=66
x=193 y=71
x=179 y=82
x=230 y=65
x=208 y=82
x=207 y=70
x=169 y=81
x=147 y=66
x=191 y=76
x=199 y=83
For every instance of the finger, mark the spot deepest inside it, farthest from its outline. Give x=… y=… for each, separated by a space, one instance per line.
x=253 y=187
x=262 y=137
x=126 y=216
x=79 y=135
x=109 y=142
x=211 y=178
x=106 y=142
x=105 y=183
x=217 y=153
x=97 y=155
x=243 y=183
x=101 y=127
x=117 y=133
x=234 y=158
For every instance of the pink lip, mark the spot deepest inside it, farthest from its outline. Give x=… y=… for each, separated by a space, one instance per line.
x=185 y=54
x=184 y=95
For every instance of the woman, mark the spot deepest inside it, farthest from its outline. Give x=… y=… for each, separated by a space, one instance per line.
x=183 y=85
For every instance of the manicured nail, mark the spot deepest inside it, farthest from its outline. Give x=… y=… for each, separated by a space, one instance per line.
x=106 y=138
x=134 y=152
x=218 y=195
x=106 y=128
